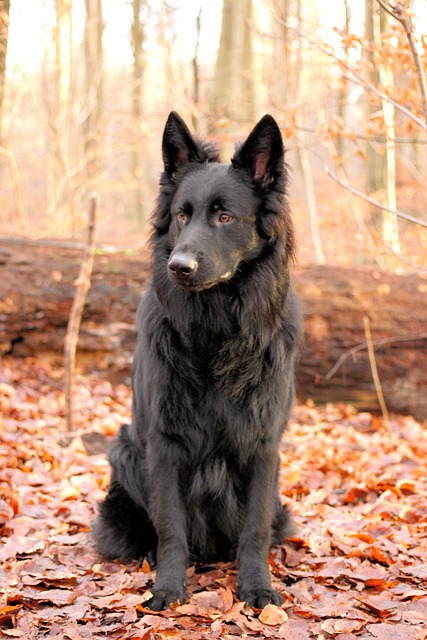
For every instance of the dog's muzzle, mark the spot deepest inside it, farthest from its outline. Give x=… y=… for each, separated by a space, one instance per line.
x=182 y=266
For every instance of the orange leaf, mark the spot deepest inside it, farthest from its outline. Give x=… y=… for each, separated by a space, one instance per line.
x=273 y=615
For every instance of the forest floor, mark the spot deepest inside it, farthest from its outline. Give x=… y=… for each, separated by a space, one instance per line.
x=355 y=568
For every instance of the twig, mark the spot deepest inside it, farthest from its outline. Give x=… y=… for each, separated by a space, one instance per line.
x=363 y=81
x=361 y=347
x=375 y=375
x=72 y=336
x=310 y=199
x=353 y=205
x=361 y=195
x=398 y=13
x=14 y=174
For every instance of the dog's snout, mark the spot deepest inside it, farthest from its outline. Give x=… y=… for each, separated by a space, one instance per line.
x=183 y=265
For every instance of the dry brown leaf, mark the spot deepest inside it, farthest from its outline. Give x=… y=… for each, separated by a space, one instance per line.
x=336 y=626
x=273 y=615
x=386 y=631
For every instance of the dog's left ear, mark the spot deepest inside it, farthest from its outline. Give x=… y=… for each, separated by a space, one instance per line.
x=262 y=154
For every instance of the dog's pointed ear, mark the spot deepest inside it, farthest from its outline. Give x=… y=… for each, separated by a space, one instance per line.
x=178 y=146
x=262 y=154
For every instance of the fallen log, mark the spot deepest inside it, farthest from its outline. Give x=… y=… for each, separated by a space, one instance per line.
x=37 y=288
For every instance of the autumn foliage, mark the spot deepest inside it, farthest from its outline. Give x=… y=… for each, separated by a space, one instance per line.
x=355 y=568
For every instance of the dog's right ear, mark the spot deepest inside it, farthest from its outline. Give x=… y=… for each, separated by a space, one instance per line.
x=178 y=146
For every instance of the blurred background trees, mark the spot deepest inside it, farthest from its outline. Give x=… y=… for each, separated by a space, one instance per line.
x=86 y=86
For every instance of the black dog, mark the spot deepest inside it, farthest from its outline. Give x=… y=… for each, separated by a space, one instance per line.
x=195 y=474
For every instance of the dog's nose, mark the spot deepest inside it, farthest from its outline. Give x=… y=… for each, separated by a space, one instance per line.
x=183 y=265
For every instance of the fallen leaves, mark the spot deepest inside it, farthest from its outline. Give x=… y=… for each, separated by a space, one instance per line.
x=355 y=568
x=273 y=615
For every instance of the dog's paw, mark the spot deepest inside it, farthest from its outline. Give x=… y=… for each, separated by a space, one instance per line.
x=163 y=598
x=259 y=598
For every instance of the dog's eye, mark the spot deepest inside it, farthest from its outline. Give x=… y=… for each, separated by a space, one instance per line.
x=224 y=218
x=181 y=216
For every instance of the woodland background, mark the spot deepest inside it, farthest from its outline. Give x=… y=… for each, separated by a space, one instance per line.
x=87 y=86
x=85 y=89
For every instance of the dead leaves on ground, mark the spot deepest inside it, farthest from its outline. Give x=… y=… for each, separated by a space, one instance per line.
x=356 y=567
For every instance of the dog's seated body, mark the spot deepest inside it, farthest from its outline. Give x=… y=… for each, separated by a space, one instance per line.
x=195 y=476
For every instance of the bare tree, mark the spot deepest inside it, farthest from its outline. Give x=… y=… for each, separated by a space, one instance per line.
x=93 y=87
x=137 y=41
x=292 y=58
x=382 y=167
x=398 y=12
x=5 y=148
x=4 y=38
x=233 y=92
x=375 y=167
x=196 y=72
x=342 y=91
x=58 y=105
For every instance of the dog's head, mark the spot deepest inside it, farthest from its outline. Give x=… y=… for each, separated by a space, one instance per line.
x=217 y=217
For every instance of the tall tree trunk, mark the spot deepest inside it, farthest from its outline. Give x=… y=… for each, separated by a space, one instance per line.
x=310 y=195
x=342 y=92
x=58 y=187
x=282 y=61
x=4 y=39
x=94 y=88
x=289 y=60
x=137 y=41
x=303 y=156
x=375 y=165
x=390 y=230
x=233 y=90
x=5 y=146
x=390 y=226
x=382 y=167
x=196 y=73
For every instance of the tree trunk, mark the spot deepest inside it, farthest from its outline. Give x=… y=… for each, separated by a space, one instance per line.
x=375 y=165
x=381 y=168
x=233 y=90
x=342 y=89
x=60 y=200
x=195 y=111
x=36 y=293
x=4 y=39
x=137 y=41
x=94 y=88
x=389 y=226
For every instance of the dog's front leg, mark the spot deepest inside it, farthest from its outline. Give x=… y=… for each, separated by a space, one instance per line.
x=254 y=545
x=168 y=517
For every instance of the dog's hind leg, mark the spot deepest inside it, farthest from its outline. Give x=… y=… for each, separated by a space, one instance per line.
x=123 y=528
x=282 y=526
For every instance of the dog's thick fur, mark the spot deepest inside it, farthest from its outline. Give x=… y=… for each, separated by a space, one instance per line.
x=195 y=476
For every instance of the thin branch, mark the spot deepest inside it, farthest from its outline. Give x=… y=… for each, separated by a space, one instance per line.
x=353 y=71
x=16 y=182
x=360 y=136
x=354 y=208
x=375 y=375
x=361 y=347
x=71 y=339
x=397 y=11
x=310 y=199
x=361 y=195
x=386 y=8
